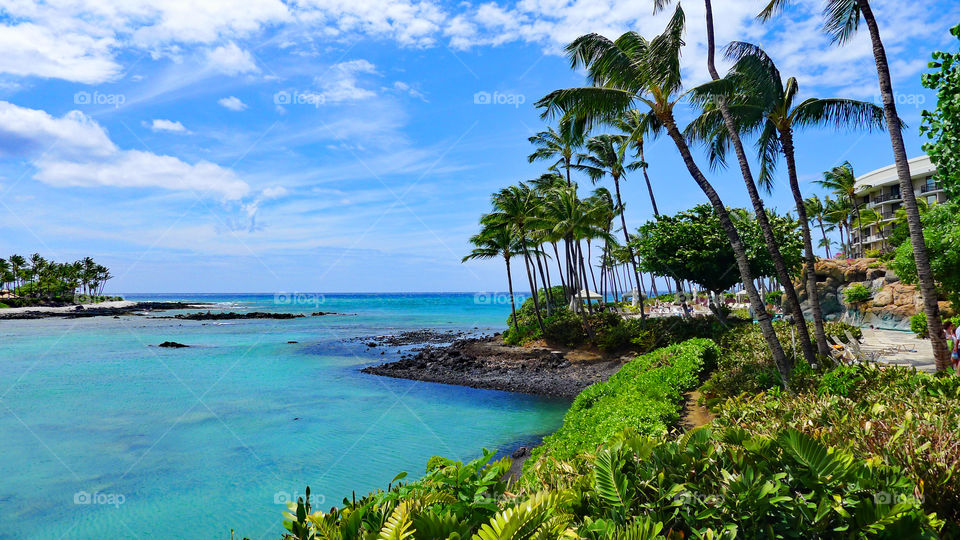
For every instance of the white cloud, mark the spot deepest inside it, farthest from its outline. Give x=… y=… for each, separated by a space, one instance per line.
x=160 y=124
x=232 y=103
x=405 y=88
x=28 y=49
x=74 y=150
x=231 y=60
x=24 y=131
x=340 y=82
x=135 y=168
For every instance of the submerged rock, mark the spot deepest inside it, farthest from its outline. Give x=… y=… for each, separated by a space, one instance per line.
x=172 y=345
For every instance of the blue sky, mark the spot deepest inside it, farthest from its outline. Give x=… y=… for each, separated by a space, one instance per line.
x=326 y=145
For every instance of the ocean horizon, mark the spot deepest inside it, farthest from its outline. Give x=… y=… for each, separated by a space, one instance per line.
x=110 y=434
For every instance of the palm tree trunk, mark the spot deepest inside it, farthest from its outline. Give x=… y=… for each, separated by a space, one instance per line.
x=531 y=277
x=583 y=273
x=513 y=304
x=683 y=300
x=626 y=238
x=778 y=262
x=543 y=278
x=856 y=209
x=823 y=232
x=924 y=275
x=786 y=139
x=593 y=278
x=653 y=200
x=559 y=268
x=743 y=264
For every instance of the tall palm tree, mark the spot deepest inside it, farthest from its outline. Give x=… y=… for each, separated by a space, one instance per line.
x=733 y=136
x=517 y=207
x=633 y=71
x=816 y=209
x=497 y=242
x=607 y=157
x=842 y=20
x=636 y=125
x=760 y=101
x=843 y=182
x=559 y=146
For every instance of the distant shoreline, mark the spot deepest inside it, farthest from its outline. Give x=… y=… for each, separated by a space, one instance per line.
x=100 y=309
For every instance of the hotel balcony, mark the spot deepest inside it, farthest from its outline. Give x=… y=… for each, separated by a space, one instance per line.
x=888 y=197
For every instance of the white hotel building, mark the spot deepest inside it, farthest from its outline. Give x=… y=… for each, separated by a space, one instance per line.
x=880 y=190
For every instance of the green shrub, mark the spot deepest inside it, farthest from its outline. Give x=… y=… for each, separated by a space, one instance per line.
x=564 y=327
x=774 y=297
x=857 y=293
x=645 y=396
x=890 y=415
x=918 y=325
x=871 y=253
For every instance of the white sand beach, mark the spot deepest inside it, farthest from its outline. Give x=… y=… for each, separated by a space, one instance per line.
x=67 y=309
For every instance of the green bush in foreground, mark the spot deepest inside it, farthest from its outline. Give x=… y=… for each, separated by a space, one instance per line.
x=726 y=484
x=888 y=416
x=645 y=395
x=857 y=293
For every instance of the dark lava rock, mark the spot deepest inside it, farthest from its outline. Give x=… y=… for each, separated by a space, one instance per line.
x=173 y=345
x=232 y=315
x=523 y=451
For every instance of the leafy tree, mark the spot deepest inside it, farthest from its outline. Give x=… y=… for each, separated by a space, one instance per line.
x=942 y=126
x=693 y=246
x=941 y=233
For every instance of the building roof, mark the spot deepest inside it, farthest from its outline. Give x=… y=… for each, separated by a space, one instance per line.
x=919 y=167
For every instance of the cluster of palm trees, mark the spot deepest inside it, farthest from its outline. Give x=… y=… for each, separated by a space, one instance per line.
x=38 y=277
x=547 y=221
x=636 y=86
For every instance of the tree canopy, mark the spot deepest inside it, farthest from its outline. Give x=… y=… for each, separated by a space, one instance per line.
x=942 y=126
x=692 y=246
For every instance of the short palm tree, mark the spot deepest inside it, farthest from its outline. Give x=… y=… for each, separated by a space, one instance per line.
x=843 y=182
x=633 y=71
x=492 y=242
x=816 y=209
x=839 y=213
x=517 y=208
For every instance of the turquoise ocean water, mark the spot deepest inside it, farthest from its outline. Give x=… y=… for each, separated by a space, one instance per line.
x=105 y=435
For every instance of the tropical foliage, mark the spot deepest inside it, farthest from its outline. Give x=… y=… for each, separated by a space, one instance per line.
x=942 y=125
x=941 y=232
x=37 y=280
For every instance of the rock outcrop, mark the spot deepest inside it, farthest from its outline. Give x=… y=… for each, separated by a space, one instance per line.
x=892 y=304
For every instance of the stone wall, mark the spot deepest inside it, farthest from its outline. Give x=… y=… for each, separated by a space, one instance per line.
x=893 y=302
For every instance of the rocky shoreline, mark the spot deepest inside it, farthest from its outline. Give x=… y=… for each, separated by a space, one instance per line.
x=77 y=312
x=486 y=362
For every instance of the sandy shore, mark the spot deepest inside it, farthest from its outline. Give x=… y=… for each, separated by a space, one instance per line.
x=68 y=309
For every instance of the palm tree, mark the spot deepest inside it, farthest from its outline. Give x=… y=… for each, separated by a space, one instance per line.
x=631 y=71
x=761 y=101
x=838 y=213
x=558 y=145
x=636 y=125
x=842 y=20
x=606 y=157
x=497 y=242
x=816 y=209
x=517 y=207
x=843 y=183
x=17 y=263
x=733 y=137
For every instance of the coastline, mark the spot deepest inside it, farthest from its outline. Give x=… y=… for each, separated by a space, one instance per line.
x=486 y=362
x=101 y=309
